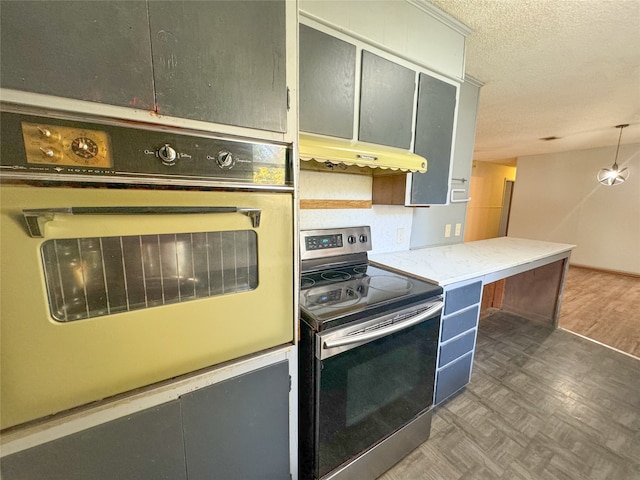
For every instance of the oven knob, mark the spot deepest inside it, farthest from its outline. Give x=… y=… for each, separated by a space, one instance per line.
x=46 y=133
x=50 y=153
x=167 y=154
x=224 y=159
x=351 y=239
x=363 y=239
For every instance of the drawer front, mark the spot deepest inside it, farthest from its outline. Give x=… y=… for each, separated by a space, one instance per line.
x=458 y=323
x=462 y=297
x=452 y=378
x=456 y=348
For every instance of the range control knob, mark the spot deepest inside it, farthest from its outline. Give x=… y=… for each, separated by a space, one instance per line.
x=50 y=153
x=363 y=239
x=351 y=239
x=224 y=159
x=46 y=133
x=167 y=154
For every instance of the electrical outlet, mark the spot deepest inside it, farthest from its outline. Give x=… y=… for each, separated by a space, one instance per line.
x=447 y=230
x=400 y=235
x=458 y=229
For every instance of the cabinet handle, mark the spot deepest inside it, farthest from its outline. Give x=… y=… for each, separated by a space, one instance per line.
x=459 y=200
x=36 y=217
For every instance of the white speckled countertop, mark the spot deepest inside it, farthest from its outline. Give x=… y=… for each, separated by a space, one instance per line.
x=462 y=261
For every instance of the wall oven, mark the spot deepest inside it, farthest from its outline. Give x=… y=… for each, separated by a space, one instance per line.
x=367 y=361
x=132 y=254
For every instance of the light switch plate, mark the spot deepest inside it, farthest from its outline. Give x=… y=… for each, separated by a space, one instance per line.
x=458 y=229
x=447 y=230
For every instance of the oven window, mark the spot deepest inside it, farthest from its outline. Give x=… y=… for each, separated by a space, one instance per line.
x=369 y=392
x=386 y=378
x=92 y=277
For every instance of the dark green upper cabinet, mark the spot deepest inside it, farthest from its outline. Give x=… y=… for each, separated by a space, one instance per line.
x=221 y=61
x=386 y=102
x=327 y=84
x=97 y=51
x=433 y=140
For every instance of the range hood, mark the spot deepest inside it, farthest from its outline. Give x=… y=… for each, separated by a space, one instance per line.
x=340 y=151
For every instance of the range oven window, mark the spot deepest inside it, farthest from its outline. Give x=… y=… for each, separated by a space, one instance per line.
x=92 y=277
x=368 y=392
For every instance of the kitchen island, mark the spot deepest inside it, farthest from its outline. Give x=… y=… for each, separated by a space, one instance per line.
x=533 y=272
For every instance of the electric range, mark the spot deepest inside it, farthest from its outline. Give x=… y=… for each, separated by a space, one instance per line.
x=367 y=356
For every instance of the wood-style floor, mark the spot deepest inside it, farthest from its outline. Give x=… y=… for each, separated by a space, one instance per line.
x=542 y=404
x=604 y=307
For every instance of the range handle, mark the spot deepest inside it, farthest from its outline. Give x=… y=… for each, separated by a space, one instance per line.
x=433 y=310
x=36 y=217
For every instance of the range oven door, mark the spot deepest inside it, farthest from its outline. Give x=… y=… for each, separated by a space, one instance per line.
x=373 y=379
x=114 y=289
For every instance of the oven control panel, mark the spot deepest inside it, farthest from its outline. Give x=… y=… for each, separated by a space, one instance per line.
x=63 y=147
x=317 y=242
x=66 y=146
x=335 y=241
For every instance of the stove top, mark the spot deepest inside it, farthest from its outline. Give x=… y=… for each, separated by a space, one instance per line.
x=340 y=295
x=338 y=285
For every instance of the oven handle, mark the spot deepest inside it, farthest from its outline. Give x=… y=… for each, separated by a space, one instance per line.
x=433 y=310
x=37 y=216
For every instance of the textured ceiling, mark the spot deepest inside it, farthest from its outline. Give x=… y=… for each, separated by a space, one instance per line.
x=563 y=68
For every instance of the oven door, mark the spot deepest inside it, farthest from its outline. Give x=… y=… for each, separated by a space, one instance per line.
x=107 y=290
x=373 y=379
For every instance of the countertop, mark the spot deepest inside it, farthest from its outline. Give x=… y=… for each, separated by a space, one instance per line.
x=463 y=261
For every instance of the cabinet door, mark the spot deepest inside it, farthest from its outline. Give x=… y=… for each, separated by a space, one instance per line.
x=147 y=446
x=452 y=378
x=239 y=428
x=386 y=102
x=459 y=297
x=97 y=51
x=434 y=134
x=221 y=61
x=327 y=84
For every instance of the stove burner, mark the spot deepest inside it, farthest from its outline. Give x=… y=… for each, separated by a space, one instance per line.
x=307 y=282
x=335 y=298
x=335 y=275
x=390 y=283
x=339 y=286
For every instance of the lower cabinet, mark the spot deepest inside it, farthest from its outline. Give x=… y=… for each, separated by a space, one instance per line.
x=239 y=428
x=235 y=429
x=145 y=445
x=457 y=338
x=453 y=377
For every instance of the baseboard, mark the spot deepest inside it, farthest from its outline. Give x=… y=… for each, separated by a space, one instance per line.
x=604 y=270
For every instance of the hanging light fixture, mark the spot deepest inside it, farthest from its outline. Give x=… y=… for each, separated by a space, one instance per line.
x=614 y=175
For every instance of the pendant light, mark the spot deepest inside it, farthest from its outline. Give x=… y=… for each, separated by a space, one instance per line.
x=614 y=175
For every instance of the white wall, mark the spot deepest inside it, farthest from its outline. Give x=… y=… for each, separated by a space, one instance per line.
x=557 y=198
x=390 y=225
